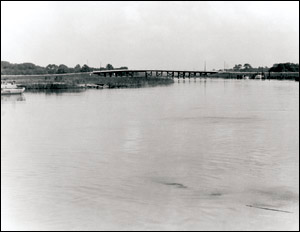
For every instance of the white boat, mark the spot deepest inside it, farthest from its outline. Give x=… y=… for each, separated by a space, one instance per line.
x=11 y=88
x=258 y=76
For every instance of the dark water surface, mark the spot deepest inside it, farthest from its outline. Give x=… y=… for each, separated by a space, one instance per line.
x=204 y=155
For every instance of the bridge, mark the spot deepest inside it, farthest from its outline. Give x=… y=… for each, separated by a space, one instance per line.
x=153 y=73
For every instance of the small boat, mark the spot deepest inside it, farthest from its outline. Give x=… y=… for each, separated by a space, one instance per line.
x=11 y=88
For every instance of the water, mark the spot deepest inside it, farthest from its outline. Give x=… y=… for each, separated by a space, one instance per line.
x=204 y=155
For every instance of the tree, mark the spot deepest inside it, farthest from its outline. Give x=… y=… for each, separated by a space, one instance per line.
x=247 y=67
x=123 y=67
x=109 y=67
x=62 y=69
x=5 y=65
x=8 y=68
x=85 y=68
x=285 y=67
x=51 y=68
x=77 y=68
x=26 y=66
x=237 y=67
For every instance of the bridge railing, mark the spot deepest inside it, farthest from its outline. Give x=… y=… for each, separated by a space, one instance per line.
x=154 y=73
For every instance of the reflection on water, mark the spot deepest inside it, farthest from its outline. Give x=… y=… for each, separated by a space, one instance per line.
x=214 y=155
x=56 y=91
x=12 y=98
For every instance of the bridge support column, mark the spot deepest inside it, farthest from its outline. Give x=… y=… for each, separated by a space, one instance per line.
x=170 y=74
x=148 y=74
x=180 y=74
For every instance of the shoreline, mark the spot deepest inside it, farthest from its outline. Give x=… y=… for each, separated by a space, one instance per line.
x=293 y=76
x=82 y=81
x=87 y=80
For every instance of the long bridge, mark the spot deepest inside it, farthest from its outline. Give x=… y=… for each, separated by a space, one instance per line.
x=153 y=73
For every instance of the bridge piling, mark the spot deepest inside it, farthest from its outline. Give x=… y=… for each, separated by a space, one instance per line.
x=158 y=73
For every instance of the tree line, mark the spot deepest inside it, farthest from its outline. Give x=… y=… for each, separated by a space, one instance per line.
x=280 y=67
x=8 y=68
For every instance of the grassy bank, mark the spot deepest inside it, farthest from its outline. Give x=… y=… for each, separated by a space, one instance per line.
x=72 y=81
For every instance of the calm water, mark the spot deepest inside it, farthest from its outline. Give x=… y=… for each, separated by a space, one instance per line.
x=190 y=156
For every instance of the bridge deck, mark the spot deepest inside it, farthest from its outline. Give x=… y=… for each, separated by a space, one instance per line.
x=157 y=73
x=151 y=70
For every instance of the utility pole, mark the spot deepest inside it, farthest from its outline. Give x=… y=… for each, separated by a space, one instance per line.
x=205 y=66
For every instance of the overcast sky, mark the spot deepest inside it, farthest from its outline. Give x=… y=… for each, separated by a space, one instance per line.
x=171 y=35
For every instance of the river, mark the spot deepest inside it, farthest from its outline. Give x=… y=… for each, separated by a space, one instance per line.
x=195 y=155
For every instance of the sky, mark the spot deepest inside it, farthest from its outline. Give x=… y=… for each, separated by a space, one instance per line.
x=150 y=35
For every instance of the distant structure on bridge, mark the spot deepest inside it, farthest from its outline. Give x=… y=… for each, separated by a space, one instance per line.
x=153 y=73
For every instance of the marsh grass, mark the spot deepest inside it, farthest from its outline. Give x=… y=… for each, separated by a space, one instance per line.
x=80 y=80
